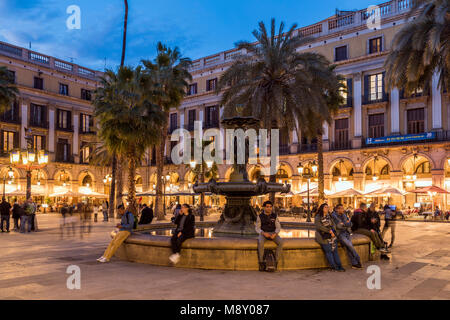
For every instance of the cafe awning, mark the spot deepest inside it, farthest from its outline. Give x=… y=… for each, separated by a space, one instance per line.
x=430 y=189
x=346 y=193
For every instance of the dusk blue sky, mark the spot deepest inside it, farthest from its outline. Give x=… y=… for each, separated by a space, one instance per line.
x=198 y=28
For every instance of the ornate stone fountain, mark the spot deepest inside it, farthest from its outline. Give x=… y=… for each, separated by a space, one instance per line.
x=238 y=218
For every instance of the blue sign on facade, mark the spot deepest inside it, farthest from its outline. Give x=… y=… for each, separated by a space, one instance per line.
x=398 y=139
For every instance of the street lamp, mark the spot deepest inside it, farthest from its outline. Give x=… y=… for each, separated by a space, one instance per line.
x=209 y=165
x=165 y=180
x=29 y=160
x=308 y=175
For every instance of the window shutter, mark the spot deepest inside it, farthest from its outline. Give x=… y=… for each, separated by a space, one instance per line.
x=350 y=88
x=43 y=143
x=1 y=142
x=16 y=140
x=69 y=119
x=366 y=88
x=32 y=113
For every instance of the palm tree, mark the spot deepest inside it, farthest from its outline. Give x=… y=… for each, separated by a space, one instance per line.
x=273 y=81
x=421 y=48
x=312 y=118
x=202 y=171
x=114 y=162
x=8 y=90
x=128 y=120
x=168 y=82
x=101 y=156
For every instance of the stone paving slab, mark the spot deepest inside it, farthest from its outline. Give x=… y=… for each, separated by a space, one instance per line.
x=34 y=267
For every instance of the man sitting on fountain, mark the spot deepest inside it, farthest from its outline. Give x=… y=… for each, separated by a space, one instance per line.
x=185 y=229
x=125 y=228
x=268 y=227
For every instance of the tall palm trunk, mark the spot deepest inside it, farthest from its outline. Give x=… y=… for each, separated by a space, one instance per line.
x=159 y=205
x=120 y=176
x=113 y=186
x=132 y=206
x=112 y=193
x=124 y=40
x=321 y=183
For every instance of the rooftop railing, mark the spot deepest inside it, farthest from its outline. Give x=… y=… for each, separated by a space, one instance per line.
x=327 y=27
x=47 y=61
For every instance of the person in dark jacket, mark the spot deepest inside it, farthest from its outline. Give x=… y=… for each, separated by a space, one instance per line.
x=268 y=227
x=16 y=213
x=364 y=224
x=5 y=211
x=146 y=215
x=326 y=236
x=389 y=222
x=343 y=229
x=185 y=229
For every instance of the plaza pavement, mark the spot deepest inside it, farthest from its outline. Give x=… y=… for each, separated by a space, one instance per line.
x=33 y=266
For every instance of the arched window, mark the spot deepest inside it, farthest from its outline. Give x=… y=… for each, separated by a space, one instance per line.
x=423 y=168
x=336 y=172
x=385 y=170
x=281 y=173
x=87 y=181
x=351 y=173
x=139 y=180
x=368 y=171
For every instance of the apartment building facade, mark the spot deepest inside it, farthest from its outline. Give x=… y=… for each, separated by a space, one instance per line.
x=55 y=104
x=376 y=138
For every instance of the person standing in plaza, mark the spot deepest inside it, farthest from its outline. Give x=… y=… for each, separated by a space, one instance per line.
x=95 y=208
x=268 y=227
x=326 y=237
x=16 y=213
x=389 y=223
x=343 y=230
x=125 y=228
x=185 y=229
x=105 y=208
x=25 y=220
x=5 y=211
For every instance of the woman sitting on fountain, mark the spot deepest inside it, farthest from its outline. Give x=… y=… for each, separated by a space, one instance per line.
x=268 y=227
x=185 y=229
x=326 y=236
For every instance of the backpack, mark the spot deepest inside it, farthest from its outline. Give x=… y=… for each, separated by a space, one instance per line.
x=134 y=220
x=269 y=259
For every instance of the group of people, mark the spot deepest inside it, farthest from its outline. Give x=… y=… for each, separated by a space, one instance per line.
x=23 y=214
x=333 y=227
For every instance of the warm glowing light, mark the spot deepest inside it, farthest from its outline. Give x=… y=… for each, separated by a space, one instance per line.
x=209 y=164
x=15 y=157
x=31 y=156
x=408 y=177
x=300 y=168
x=10 y=173
x=340 y=179
x=9 y=181
x=193 y=164
x=25 y=157
x=314 y=167
x=448 y=161
x=168 y=177
x=414 y=177
x=374 y=178
x=39 y=182
x=104 y=180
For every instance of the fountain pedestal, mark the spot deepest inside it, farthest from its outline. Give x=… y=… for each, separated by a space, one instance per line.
x=238 y=218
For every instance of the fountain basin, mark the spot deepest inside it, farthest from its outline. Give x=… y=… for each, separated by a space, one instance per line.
x=227 y=253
